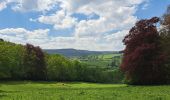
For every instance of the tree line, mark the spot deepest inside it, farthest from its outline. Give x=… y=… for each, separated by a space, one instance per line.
x=28 y=62
x=146 y=58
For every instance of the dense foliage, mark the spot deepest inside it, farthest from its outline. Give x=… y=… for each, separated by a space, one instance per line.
x=34 y=63
x=11 y=61
x=143 y=60
x=61 y=69
x=146 y=58
x=28 y=62
x=165 y=41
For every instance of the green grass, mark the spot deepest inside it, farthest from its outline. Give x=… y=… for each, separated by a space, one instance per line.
x=101 y=61
x=80 y=91
x=107 y=56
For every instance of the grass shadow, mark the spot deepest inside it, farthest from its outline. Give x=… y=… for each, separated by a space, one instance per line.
x=2 y=93
x=13 y=82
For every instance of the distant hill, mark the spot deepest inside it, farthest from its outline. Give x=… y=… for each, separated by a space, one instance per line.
x=74 y=52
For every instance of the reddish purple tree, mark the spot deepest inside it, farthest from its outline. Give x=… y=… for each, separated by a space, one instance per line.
x=34 y=63
x=142 y=61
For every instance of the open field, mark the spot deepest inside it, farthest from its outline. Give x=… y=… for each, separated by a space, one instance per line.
x=80 y=91
x=102 y=60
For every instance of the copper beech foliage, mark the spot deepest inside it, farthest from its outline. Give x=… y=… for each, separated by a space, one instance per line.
x=142 y=61
x=34 y=63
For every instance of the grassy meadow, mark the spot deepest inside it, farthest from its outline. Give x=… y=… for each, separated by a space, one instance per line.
x=101 y=60
x=27 y=90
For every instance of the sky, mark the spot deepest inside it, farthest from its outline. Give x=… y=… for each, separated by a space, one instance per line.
x=96 y=25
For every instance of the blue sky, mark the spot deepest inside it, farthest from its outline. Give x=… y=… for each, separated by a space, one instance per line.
x=91 y=25
x=154 y=8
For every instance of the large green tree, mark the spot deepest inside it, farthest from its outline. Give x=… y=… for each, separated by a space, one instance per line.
x=165 y=40
x=11 y=60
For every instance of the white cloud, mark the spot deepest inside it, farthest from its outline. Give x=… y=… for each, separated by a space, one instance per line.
x=21 y=35
x=116 y=36
x=21 y=32
x=146 y=4
x=2 y=5
x=60 y=20
x=34 y=5
x=91 y=34
x=29 y=5
x=41 y=38
x=113 y=16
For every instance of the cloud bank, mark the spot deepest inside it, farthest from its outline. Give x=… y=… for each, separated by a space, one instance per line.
x=104 y=32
